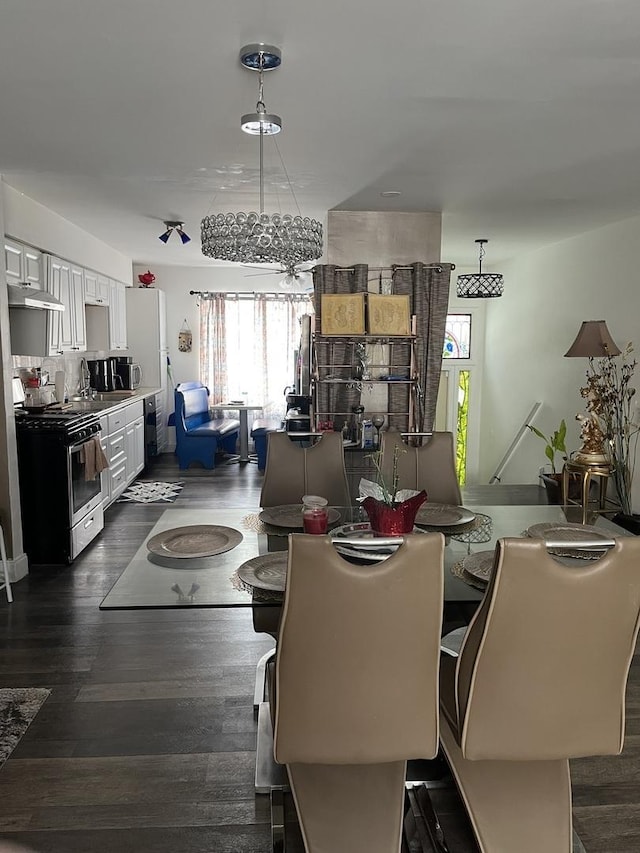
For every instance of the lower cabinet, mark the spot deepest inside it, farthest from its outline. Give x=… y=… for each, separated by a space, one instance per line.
x=122 y=440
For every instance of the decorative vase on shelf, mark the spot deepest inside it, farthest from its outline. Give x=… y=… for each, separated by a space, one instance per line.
x=393 y=520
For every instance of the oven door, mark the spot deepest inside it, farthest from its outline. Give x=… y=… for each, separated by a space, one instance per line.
x=84 y=495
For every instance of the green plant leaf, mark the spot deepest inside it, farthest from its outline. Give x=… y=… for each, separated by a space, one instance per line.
x=537 y=432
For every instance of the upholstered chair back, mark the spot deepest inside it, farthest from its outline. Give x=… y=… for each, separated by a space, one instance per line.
x=293 y=471
x=543 y=668
x=430 y=467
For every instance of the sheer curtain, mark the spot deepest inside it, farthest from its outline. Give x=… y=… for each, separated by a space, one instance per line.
x=248 y=345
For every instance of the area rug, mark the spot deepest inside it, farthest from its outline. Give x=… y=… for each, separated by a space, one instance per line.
x=18 y=707
x=142 y=492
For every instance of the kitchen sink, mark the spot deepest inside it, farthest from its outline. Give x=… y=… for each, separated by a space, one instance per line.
x=114 y=396
x=104 y=397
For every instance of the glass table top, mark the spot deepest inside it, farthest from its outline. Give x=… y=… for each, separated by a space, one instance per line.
x=208 y=581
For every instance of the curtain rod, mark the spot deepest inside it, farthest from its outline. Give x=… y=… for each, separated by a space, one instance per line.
x=438 y=267
x=244 y=294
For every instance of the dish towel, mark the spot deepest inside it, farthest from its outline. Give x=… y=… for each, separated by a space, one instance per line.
x=92 y=454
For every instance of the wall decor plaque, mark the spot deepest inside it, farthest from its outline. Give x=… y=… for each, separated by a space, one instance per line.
x=342 y=314
x=388 y=315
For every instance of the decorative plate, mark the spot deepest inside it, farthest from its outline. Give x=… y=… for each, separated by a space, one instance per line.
x=370 y=546
x=268 y=571
x=566 y=531
x=195 y=540
x=479 y=565
x=443 y=515
x=290 y=515
x=363 y=553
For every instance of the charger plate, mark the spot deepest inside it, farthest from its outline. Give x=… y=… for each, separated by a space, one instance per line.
x=479 y=565
x=443 y=515
x=268 y=572
x=369 y=545
x=290 y=515
x=567 y=531
x=194 y=540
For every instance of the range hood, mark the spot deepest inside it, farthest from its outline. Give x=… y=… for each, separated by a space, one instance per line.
x=25 y=296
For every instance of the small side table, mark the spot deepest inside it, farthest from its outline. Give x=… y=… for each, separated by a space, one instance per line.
x=585 y=471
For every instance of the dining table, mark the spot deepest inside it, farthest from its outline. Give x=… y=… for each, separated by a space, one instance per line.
x=216 y=543
x=243 y=410
x=237 y=557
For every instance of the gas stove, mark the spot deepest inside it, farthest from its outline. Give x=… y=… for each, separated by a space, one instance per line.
x=73 y=424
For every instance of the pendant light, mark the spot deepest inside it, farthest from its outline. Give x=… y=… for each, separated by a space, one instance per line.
x=480 y=285
x=252 y=237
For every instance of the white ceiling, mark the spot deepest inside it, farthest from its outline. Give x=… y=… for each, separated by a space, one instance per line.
x=520 y=121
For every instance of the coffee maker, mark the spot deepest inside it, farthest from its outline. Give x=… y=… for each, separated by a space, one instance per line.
x=102 y=374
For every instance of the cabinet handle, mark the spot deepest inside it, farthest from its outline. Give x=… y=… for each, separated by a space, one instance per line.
x=89 y=523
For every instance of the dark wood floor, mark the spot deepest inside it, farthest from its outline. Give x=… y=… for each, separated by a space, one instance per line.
x=147 y=741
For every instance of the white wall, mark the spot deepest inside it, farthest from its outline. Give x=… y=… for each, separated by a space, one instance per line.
x=29 y=221
x=176 y=283
x=547 y=295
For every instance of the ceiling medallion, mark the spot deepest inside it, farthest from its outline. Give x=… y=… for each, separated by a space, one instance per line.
x=262 y=237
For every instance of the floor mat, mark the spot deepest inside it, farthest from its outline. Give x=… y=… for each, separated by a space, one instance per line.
x=18 y=707
x=142 y=492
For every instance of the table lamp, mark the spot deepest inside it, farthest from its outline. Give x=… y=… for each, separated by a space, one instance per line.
x=592 y=341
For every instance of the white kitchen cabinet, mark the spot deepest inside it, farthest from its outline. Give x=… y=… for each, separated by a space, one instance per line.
x=96 y=288
x=117 y=316
x=79 y=326
x=122 y=440
x=134 y=441
x=105 y=477
x=23 y=264
x=67 y=329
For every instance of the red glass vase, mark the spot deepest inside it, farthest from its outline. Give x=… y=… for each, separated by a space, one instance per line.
x=393 y=520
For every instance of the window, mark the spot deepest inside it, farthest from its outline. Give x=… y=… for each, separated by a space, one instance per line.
x=248 y=346
x=452 y=412
x=457 y=336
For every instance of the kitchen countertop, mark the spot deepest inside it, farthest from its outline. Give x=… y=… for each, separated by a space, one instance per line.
x=110 y=400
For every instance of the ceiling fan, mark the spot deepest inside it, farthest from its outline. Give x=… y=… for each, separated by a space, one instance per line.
x=296 y=279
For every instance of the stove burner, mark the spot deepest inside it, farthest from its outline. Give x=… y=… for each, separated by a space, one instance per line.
x=68 y=423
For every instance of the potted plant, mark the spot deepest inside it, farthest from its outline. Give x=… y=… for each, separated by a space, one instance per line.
x=554 y=444
x=391 y=511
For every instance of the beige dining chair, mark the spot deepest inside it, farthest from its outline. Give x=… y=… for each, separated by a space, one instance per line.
x=431 y=467
x=356 y=687
x=540 y=678
x=292 y=471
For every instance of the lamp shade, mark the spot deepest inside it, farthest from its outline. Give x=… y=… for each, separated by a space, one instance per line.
x=593 y=341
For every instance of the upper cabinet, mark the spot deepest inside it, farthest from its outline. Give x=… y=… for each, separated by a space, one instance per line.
x=95 y=310
x=117 y=316
x=67 y=329
x=23 y=264
x=96 y=288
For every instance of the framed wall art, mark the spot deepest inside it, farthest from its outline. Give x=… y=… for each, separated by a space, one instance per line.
x=388 y=315
x=342 y=314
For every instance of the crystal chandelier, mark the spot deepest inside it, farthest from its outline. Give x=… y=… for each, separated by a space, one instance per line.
x=261 y=237
x=480 y=285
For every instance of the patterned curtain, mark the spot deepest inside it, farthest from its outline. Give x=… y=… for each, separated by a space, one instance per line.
x=336 y=400
x=428 y=289
x=213 y=342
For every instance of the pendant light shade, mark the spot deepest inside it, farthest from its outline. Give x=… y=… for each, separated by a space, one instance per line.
x=252 y=237
x=480 y=285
